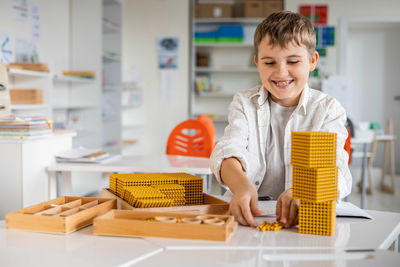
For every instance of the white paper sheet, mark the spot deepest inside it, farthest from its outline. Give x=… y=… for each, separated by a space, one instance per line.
x=343 y=209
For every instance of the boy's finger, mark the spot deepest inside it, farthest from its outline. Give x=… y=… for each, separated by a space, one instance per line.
x=246 y=213
x=292 y=214
x=235 y=211
x=278 y=209
x=285 y=211
x=254 y=206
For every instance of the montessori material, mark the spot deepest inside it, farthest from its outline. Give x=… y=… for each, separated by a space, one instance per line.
x=164 y=224
x=315 y=181
x=62 y=215
x=146 y=190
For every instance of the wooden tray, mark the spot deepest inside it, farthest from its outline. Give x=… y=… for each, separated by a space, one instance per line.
x=135 y=223
x=211 y=205
x=62 y=215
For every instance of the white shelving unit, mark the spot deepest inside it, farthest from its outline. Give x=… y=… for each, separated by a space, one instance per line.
x=112 y=76
x=230 y=69
x=25 y=79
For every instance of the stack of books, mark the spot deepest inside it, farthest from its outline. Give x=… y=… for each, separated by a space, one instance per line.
x=24 y=126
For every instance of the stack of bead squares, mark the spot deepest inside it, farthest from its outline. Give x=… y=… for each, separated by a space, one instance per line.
x=145 y=190
x=313 y=157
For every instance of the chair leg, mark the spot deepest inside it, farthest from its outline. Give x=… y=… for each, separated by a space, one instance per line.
x=370 y=185
x=383 y=175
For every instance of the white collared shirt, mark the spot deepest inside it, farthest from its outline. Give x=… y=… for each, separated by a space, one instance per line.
x=249 y=120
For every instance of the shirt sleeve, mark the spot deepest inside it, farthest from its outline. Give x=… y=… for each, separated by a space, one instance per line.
x=235 y=139
x=335 y=122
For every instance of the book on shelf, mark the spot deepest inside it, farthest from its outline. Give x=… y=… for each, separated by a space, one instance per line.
x=85 y=155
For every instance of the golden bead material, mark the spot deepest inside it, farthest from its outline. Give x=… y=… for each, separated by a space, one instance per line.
x=275 y=226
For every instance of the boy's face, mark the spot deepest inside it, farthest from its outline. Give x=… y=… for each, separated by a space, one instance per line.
x=284 y=71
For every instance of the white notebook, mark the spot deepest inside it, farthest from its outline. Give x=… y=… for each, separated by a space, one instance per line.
x=343 y=209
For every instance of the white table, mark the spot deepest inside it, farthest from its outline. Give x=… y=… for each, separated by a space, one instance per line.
x=61 y=172
x=246 y=247
x=365 y=142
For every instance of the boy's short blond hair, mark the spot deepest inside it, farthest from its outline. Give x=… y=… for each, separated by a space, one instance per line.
x=284 y=27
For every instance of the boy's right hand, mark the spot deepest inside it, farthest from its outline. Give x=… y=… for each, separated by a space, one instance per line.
x=244 y=205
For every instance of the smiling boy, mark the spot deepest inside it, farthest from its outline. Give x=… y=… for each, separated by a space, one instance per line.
x=253 y=157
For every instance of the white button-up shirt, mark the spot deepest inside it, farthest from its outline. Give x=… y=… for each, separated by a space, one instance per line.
x=246 y=135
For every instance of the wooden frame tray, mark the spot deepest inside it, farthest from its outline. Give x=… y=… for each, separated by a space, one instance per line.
x=212 y=205
x=62 y=215
x=138 y=223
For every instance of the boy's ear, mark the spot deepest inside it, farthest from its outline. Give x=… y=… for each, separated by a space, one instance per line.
x=255 y=60
x=314 y=61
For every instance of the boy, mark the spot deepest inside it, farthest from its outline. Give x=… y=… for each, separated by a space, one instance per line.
x=253 y=156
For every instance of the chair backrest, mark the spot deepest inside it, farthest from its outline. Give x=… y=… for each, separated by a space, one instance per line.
x=190 y=138
x=347 y=144
x=209 y=125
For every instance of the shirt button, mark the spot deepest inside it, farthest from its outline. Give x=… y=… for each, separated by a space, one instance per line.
x=257 y=182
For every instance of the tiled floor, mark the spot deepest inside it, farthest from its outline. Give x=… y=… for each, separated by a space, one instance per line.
x=378 y=200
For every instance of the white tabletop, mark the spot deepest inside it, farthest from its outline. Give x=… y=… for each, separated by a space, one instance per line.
x=245 y=258
x=368 y=140
x=81 y=248
x=350 y=233
x=147 y=163
x=246 y=245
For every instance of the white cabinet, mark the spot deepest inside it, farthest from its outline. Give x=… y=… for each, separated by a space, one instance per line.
x=23 y=176
x=229 y=69
x=25 y=79
x=112 y=88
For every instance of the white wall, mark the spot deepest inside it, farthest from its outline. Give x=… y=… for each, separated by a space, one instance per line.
x=53 y=45
x=344 y=9
x=144 y=22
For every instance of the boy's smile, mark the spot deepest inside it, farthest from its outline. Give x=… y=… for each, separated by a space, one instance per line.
x=284 y=71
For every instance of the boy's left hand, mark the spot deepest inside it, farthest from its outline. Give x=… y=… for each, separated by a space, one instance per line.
x=287 y=209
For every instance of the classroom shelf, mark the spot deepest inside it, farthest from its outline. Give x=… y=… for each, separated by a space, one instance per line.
x=216 y=94
x=65 y=78
x=109 y=27
x=237 y=69
x=107 y=57
x=228 y=20
x=224 y=45
x=28 y=107
x=29 y=73
x=61 y=107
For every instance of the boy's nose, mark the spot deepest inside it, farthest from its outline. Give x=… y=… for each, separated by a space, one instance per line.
x=282 y=69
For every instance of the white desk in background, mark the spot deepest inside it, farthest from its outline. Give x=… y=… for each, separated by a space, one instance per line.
x=61 y=172
x=365 y=143
x=246 y=247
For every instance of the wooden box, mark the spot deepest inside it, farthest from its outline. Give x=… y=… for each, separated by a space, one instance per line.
x=62 y=215
x=211 y=205
x=213 y=10
x=271 y=6
x=142 y=223
x=253 y=9
x=26 y=96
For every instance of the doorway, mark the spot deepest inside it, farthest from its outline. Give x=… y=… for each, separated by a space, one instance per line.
x=369 y=58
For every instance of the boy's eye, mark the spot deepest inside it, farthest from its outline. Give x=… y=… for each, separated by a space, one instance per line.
x=269 y=63
x=293 y=62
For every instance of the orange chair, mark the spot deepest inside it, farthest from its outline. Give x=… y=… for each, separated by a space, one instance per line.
x=347 y=145
x=209 y=124
x=190 y=138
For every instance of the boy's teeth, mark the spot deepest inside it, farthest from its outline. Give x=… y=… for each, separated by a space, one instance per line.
x=282 y=83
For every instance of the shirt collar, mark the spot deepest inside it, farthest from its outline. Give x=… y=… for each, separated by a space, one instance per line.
x=261 y=96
